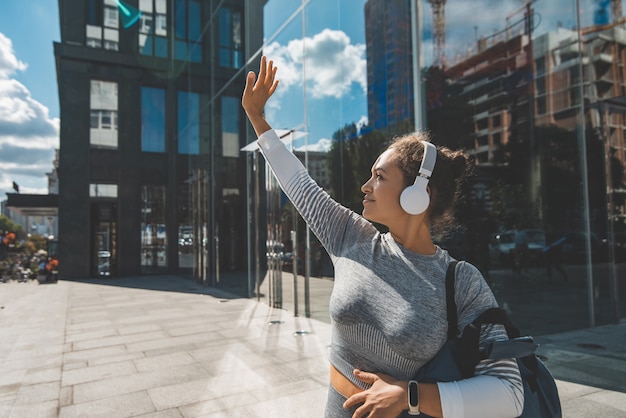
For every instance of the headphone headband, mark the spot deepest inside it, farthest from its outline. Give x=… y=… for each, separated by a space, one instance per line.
x=415 y=199
x=429 y=159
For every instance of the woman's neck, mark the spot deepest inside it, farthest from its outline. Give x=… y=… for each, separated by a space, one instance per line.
x=416 y=240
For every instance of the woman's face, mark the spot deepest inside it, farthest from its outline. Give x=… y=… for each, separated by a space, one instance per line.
x=381 y=203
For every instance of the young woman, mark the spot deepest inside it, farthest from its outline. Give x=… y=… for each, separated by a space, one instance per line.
x=388 y=305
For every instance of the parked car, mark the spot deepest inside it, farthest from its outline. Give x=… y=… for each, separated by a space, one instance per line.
x=502 y=245
x=287 y=259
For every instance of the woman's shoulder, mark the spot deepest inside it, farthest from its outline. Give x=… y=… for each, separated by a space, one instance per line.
x=471 y=285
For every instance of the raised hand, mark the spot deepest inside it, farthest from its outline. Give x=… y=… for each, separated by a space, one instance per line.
x=257 y=92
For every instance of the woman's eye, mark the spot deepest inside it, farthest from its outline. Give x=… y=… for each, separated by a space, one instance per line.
x=379 y=177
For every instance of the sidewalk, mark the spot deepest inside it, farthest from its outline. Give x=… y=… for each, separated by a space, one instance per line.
x=166 y=347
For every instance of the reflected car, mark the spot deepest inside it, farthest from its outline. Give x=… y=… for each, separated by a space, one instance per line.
x=502 y=246
x=287 y=263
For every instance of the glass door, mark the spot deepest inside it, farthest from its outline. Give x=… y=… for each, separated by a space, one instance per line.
x=104 y=239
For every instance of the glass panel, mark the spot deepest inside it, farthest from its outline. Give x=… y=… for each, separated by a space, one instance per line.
x=230 y=126
x=195 y=19
x=236 y=35
x=514 y=81
x=152 y=119
x=188 y=123
x=225 y=27
x=94 y=32
x=146 y=6
x=180 y=26
x=160 y=47
x=104 y=245
x=225 y=57
x=111 y=35
x=195 y=52
x=530 y=191
x=103 y=101
x=94 y=13
x=185 y=226
x=145 y=44
x=153 y=230
x=103 y=190
x=146 y=24
x=161 y=25
x=111 y=17
x=161 y=6
x=180 y=50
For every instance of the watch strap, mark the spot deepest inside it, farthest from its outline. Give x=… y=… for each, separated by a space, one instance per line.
x=413 y=396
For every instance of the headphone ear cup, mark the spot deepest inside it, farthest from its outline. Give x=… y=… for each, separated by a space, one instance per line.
x=415 y=199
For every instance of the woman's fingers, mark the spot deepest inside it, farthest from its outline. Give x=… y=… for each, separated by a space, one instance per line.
x=262 y=69
x=250 y=79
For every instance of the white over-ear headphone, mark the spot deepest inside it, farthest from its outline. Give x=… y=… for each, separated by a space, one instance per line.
x=415 y=199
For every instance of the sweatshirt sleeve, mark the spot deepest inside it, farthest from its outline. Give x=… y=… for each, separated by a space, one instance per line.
x=333 y=224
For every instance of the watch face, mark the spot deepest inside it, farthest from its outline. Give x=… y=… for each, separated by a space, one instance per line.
x=413 y=394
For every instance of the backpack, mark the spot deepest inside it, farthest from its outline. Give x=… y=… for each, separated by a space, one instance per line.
x=461 y=353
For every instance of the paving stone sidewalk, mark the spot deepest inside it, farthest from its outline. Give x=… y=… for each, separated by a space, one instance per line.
x=166 y=347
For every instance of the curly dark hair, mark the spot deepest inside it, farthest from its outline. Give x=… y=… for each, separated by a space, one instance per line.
x=446 y=183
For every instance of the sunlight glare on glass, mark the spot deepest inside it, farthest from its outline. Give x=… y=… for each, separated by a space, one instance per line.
x=130 y=15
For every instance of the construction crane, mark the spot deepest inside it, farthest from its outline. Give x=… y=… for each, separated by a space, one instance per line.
x=439 y=32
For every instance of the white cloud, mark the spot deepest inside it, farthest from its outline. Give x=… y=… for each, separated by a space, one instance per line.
x=28 y=136
x=323 y=145
x=363 y=121
x=329 y=63
x=9 y=64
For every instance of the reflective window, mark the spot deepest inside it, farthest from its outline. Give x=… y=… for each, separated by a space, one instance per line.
x=539 y=110
x=103 y=190
x=153 y=229
x=230 y=38
x=188 y=123
x=188 y=44
x=153 y=28
x=102 y=30
x=152 y=119
x=230 y=126
x=103 y=116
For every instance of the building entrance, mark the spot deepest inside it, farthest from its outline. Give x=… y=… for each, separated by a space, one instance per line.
x=104 y=239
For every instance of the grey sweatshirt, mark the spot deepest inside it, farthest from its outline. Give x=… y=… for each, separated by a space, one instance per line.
x=388 y=304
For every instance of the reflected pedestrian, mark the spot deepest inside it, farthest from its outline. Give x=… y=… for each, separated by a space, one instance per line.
x=553 y=254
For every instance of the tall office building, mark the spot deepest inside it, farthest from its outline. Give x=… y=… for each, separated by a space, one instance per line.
x=389 y=62
x=151 y=179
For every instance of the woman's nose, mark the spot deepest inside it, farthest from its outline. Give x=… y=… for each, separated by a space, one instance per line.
x=366 y=186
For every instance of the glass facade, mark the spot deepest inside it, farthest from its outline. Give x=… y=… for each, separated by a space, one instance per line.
x=152 y=119
x=533 y=91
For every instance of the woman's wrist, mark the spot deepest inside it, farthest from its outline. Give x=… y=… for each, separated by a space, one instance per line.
x=259 y=123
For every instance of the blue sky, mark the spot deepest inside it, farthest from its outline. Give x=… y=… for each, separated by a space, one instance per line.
x=29 y=107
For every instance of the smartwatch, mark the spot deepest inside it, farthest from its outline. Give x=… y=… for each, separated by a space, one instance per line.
x=414 y=398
